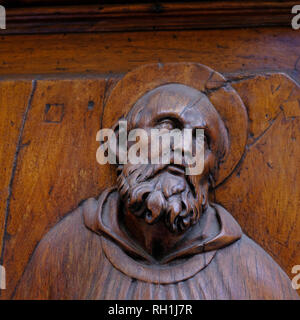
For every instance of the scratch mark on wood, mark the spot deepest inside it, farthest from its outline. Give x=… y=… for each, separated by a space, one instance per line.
x=281 y=112
x=15 y=162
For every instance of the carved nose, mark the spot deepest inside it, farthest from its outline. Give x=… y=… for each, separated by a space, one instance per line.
x=156 y=205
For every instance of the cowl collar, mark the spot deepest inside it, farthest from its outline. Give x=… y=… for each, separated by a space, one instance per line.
x=103 y=219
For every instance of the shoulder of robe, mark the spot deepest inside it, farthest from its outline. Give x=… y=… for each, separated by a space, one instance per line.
x=64 y=251
x=70 y=234
x=248 y=267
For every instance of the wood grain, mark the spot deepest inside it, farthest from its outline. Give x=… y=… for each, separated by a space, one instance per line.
x=227 y=51
x=56 y=166
x=148 y=16
x=263 y=193
x=14 y=98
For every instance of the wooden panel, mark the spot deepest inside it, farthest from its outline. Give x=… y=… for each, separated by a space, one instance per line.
x=148 y=16
x=24 y=3
x=227 y=51
x=14 y=98
x=56 y=166
x=263 y=192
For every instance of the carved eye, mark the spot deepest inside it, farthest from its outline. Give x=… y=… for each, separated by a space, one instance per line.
x=166 y=124
x=169 y=123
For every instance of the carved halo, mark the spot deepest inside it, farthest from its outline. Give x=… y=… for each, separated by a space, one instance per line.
x=224 y=98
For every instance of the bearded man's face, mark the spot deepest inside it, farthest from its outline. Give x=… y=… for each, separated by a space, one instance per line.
x=156 y=192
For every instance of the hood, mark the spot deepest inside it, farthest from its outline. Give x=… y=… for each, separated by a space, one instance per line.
x=102 y=218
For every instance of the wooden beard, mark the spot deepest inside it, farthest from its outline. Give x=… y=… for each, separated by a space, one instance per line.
x=155 y=192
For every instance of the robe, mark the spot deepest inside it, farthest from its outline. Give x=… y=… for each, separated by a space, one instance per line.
x=88 y=255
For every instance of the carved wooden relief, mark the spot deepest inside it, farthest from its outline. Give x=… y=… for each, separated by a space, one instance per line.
x=154 y=232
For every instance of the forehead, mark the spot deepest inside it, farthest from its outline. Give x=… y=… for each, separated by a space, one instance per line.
x=178 y=101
